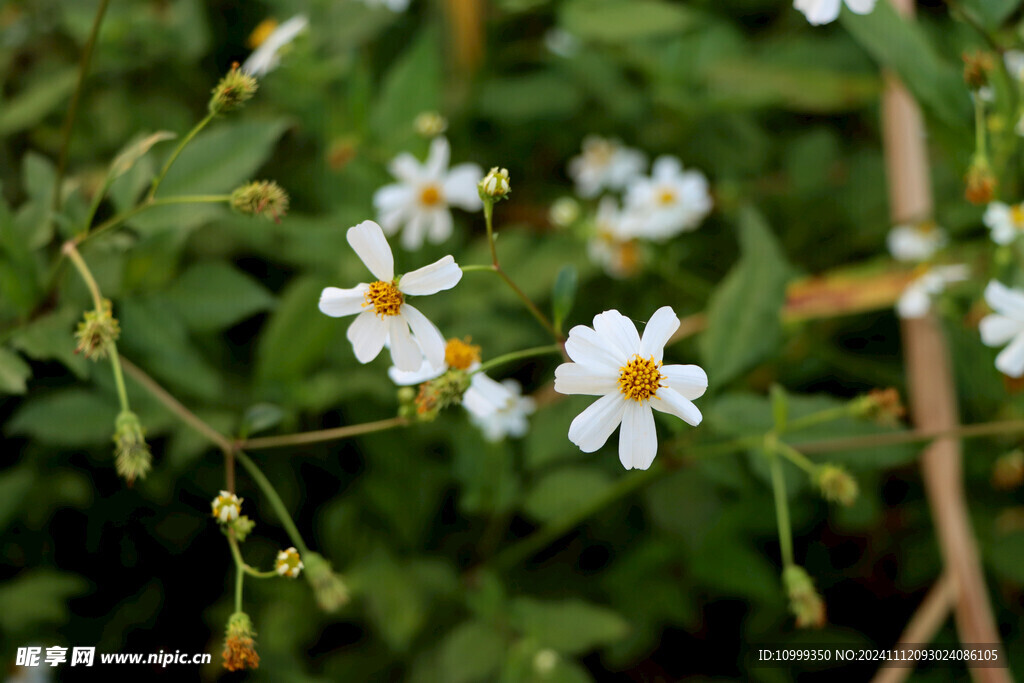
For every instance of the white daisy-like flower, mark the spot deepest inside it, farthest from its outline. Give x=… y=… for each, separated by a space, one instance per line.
x=612 y=245
x=1014 y=60
x=670 y=201
x=917 y=242
x=612 y=361
x=820 y=12
x=916 y=300
x=418 y=204
x=265 y=58
x=226 y=507
x=288 y=563
x=383 y=315
x=393 y=5
x=1005 y=326
x=509 y=413
x=1005 y=221
x=604 y=164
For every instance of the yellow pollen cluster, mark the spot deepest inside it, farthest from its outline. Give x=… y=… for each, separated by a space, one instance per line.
x=640 y=378
x=385 y=298
x=430 y=195
x=666 y=197
x=260 y=34
x=461 y=354
x=927 y=227
x=1017 y=215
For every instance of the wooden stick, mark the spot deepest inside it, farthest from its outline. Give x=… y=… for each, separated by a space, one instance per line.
x=922 y=627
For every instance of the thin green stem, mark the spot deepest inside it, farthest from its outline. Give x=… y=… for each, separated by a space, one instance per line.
x=820 y=417
x=236 y=552
x=322 y=434
x=796 y=457
x=781 y=509
x=980 y=147
x=476 y=268
x=177 y=151
x=516 y=355
x=147 y=204
x=275 y=500
x=489 y=220
x=239 y=579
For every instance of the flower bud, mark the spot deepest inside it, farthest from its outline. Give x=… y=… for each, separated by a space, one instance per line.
x=1008 y=472
x=226 y=507
x=261 y=198
x=328 y=588
x=288 y=563
x=242 y=526
x=804 y=601
x=97 y=332
x=234 y=89
x=132 y=458
x=495 y=185
x=430 y=124
x=980 y=182
x=976 y=69
x=545 y=661
x=836 y=484
x=239 y=646
x=564 y=212
x=881 y=405
x=437 y=394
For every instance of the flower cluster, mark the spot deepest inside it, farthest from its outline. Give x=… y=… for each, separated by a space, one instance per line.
x=920 y=243
x=226 y=507
x=239 y=645
x=288 y=563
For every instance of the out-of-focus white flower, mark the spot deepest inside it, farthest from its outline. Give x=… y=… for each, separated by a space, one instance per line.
x=561 y=42
x=266 y=58
x=564 y=212
x=916 y=300
x=917 y=242
x=507 y=411
x=383 y=315
x=669 y=202
x=826 y=11
x=393 y=5
x=430 y=124
x=1005 y=221
x=1005 y=326
x=604 y=164
x=418 y=204
x=612 y=361
x=1014 y=60
x=288 y=563
x=612 y=246
x=226 y=507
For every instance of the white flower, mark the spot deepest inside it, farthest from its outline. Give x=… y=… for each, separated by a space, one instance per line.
x=604 y=164
x=265 y=58
x=1014 y=60
x=826 y=11
x=562 y=43
x=1006 y=222
x=226 y=507
x=669 y=202
x=564 y=211
x=507 y=409
x=393 y=5
x=612 y=245
x=916 y=242
x=418 y=203
x=384 y=316
x=1005 y=326
x=916 y=300
x=612 y=361
x=288 y=563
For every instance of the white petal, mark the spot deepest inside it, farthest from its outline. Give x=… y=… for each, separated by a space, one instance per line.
x=638 y=440
x=406 y=168
x=337 y=302
x=914 y=302
x=425 y=373
x=1009 y=302
x=391 y=198
x=660 y=327
x=460 y=187
x=438 y=276
x=860 y=6
x=367 y=334
x=670 y=401
x=1010 y=360
x=819 y=11
x=587 y=347
x=437 y=160
x=485 y=396
x=997 y=330
x=618 y=331
x=439 y=225
x=427 y=335
x=414 y=230
x=404 y=351
x=369 y=243
x=689 y=380
x=666 y=167
x=593 y=426
x=573 y=378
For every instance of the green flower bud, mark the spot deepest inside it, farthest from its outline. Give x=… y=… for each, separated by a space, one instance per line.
x=440 y=393
x=97 y=332
x=261 y=198
x=330 y=591
x=234 y=89
x=804 y=601
x=132 y=457
x=242 y=526
x=239 y=646
x=495 y=185
x=836 y=484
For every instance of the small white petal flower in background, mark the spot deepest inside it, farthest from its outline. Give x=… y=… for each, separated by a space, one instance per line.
x=613 y=361
x=288 y=563
x=418 y=204
x=916 y=300
x=604 y=165
x=1005 y=327
x=917 y=242
x=383 y=315
x=1014 y=60
x=393 y=5
x=670 y=201
x=1005 y=221
x=430 y=124
x=564 y=212
x=226 y=507
x=266 y=57
x=562 y=43
x=612 y=246
x=826 y=11
x=508 y=410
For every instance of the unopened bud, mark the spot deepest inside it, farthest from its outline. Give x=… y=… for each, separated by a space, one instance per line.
x=976 y=69
x=261 y=198
x=804 y=601
x=836 y=484
x=495 y=185
x=97 y=332
x=226 y=507
x=330 y=591
x=564 y=212
x=1008 y=472
x=440 y=393
x=288 y=563
x=234 y=89
x=430 y=124
x=545 y=661
x=242 y=526
x=239 y=646
x=980 y=182
x=132 y=457
x=881 y=405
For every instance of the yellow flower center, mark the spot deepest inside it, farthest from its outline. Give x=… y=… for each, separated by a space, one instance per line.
x=260 y=34
x=430 y=195
x=385 y=298
x=599 y=152
x=666 y=197
x=461 y=354
x=629 y=256
x=1017 y=214
x=640 y=378
x=927 y=227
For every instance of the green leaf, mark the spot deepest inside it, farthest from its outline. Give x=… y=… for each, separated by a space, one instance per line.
x=259 y=418
x=472 y=651
x=623 y=20
x=744 y=326
x=754 y=83
x=36 y=597
x=412 y=85
x=565 y=491
x=992 y=13
x=214 y=295
x=564 y=294
x=544 y=95
x=297 y=335
x=13 y=373
x=51 y=337
x=68 y=417
x=568 y=626
x=33 y=219
x=28 y=107
x=394 y=602
x=135 y=150
x=780 y=407
x=1006 y=555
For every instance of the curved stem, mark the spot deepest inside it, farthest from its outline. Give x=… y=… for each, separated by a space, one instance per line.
x=516 y=355
x=796 y=457
x=147 y=204
x=236 y=552
x=177 y=151
x=781 y=509
x=322 y=434
x=275 y=500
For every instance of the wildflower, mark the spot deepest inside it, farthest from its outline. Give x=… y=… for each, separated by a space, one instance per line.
x=239 y=646
x=226 y=507
x=418 y=204
x=261 y=198
x=97 y=333
x=242 y=526
x=132 y=458
x=804 y=601
x=430 y=124
x=564 y=212
x=495 y=185
x=506 y=410
x=604 y=164
x=882 y=405
x=328 y=588
x=1005 y=326
x=612 y=245
x=545 y=661
x=916 y=242
x=259 y=35
x=234 y=89
x=612 y=361
x=395 y=6
x=562 y=43
x=1005 y=221
x=670 y=201
x=980 y=182
x=1008 y=472
x=266 y=56
x=916 y=300
x=976 y=69
x=288 y=563
x=836 y=484
x=384 y=316
x=820 y=12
